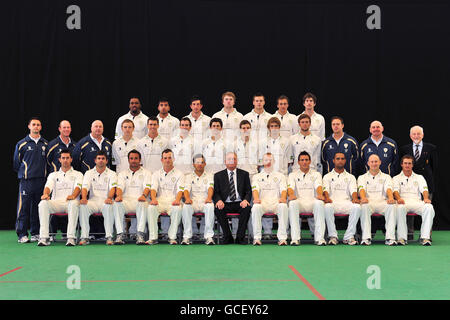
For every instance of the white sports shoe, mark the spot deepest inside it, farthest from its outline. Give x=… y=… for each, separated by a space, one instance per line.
x=34 y=238
x=43 y=242
x=390 y=242
x=70 y=242
x=333 y=241
x=210 y=242
x=321 y=243
x=24 y=239
x=366 y=242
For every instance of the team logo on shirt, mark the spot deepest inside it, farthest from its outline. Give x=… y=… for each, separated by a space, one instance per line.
x=29 y=148
x=173 y=179
x=369 y=150
x=92 y=149
x=416 y=183
x=331 y=147
x=275 y=179
x=385 y=150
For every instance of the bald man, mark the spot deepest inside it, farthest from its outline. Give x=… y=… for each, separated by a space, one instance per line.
x=384 y=147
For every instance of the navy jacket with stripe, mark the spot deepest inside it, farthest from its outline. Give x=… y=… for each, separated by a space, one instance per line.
x=85 y=152
x=387 y=150
x=30 y=159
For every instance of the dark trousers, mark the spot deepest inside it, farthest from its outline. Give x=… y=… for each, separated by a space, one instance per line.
x=58 y=223
x=30 y=192
x=233 y=207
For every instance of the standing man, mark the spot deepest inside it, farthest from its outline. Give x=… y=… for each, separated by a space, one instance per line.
x=152 y=145
x=232 y=193
x=166 y=191
x=259 y=118
x=30 y=163
x=230 y=117
x=341 y=196
x=139 y=119
x=64 y=186
x=306 y=195
x=214 y=147
x=409 y=188
x=375 y=190
x=200 y=123
x=123 y=145
x=288 y=120
x=133 y=188
x=317 y=120
x=341 y=142
x=182 y=146
x=269 y=195
x=247 y=149
x=101 y=183
x=384 y=147
x=62 y=142
x=168 y=124
x=199 y=186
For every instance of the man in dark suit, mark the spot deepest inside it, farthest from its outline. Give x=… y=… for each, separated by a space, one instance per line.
x=232 y=193
x=425 y=163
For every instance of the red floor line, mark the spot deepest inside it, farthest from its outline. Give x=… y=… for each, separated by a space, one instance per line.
x=4 y=274
x=162 y=280
x=309 y=285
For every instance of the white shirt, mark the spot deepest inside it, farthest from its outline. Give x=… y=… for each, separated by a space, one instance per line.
x=289 y=124
x=140 y=125
x=410 y=187
x=377 y=143
x=311 y=144
x=317 y=125
x=151 y=151
x=167 y=185
x=214 y=153
x=305 y=184
x=200 y=127
x=120 y=150
x=168 y=126
x=259 y=123
x=198 y=186
x=281 y=151
x=231 y=121
x=99 y=144
x=376 y=186
x=269 y=185
x=340 y=186
x=98 y=185
x=62 y=184
x=183 y=151
x=132 y=183
x=247 y=154
x=36 y=139
x=238 y=197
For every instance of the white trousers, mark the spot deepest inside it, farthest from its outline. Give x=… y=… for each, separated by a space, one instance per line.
x=344 y=207
x=153 y=212
x=47 y=207
x=419 y=207
x=266 y=206
x=302 y=206
x=198 y=205
x=128 y=205
x=381 y=207
x=96 y=205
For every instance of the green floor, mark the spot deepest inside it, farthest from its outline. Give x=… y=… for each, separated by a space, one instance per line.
x=224 y=272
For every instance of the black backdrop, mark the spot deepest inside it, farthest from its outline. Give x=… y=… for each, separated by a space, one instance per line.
x=398 y=75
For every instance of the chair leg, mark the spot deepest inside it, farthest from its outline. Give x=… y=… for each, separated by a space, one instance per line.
x=410 y=224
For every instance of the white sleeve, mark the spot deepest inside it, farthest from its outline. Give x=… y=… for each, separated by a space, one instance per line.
x=87 y=181
x=388 y=184
x=422 y=184
x=119 y=128
x=322 y=129
x=283 y=184
x=112 y=181
x=50 y=182
x=255 y=185
x=326 y=184
x=79 y=181
x=115 y=155
x=180 y=183
x=352 y=185
x=395 y=184
x=317 y=181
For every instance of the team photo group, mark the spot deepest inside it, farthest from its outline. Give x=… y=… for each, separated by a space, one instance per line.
x=164 y=179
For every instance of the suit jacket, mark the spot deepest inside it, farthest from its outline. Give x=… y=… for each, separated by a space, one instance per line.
x=426 y=165
x=222 y=185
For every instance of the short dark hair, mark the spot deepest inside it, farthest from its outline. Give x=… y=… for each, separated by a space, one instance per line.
x=195 y=98
x=102 y=153
x=259 y=94
x=334 y=157
x=303 y=116
x=244 y=122
x=187 y=119
x=198 y=156
x=127 y=121
x=407 y=156
x=34 y=118
x=153 y=118
x=337 y=118
x=303 y=153
x=136 y=152
x=163 y=99
x=166 y=151
x=65 y=151
x=283 y=97
x=216 y=120
x=309 y=95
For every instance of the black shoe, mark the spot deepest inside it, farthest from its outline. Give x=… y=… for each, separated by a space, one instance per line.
x=228 y=241
x=241 y=241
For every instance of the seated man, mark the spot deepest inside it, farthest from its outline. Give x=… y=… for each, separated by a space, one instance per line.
x=65 y=186
x=232 y=194
x=200 y=186
x=167 y=188
x=269 y=195
x=375 y=191
x=133 y=188
x=341 y=196
x=101 y=184
x=305 y=195
x=409 y=187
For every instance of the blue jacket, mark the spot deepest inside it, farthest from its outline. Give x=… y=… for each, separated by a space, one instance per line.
x=30 y=158
x=387 y=150
x=85 y=152
x=54 y=149
x=348 y=146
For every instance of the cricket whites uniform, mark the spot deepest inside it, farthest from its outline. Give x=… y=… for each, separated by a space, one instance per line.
x=311 y=144
x=214 y=152
x=281 y=150
x=259 y=124
x=183 y=151
x=151 y=150
x=120 y=149
x=140 y=125
x=289 y=124
x=317 y=125
x=199 y=130
x=168 y=126
x=247 y=154
x=231 y=121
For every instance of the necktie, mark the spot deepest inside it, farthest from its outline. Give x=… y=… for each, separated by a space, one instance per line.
x=416 y=153
x=232 y=188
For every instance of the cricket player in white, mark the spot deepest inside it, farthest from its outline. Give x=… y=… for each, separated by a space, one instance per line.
x=101 y=183
x=258 y=118
x=375 y=191
x=151 y=146
x=122 y=145
x=182 y=146
x=139 y=119
x=166 y=191
x=133 y=188
x=409 y=188
x=198 y=192
x=341 y=196
x=305 y=195
x=168 y=124
x=317 y=120
x=199 y=122
x=214 y=147
x=288 y=120
x=269 y=190
x=64 y=186
x=230 y=117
